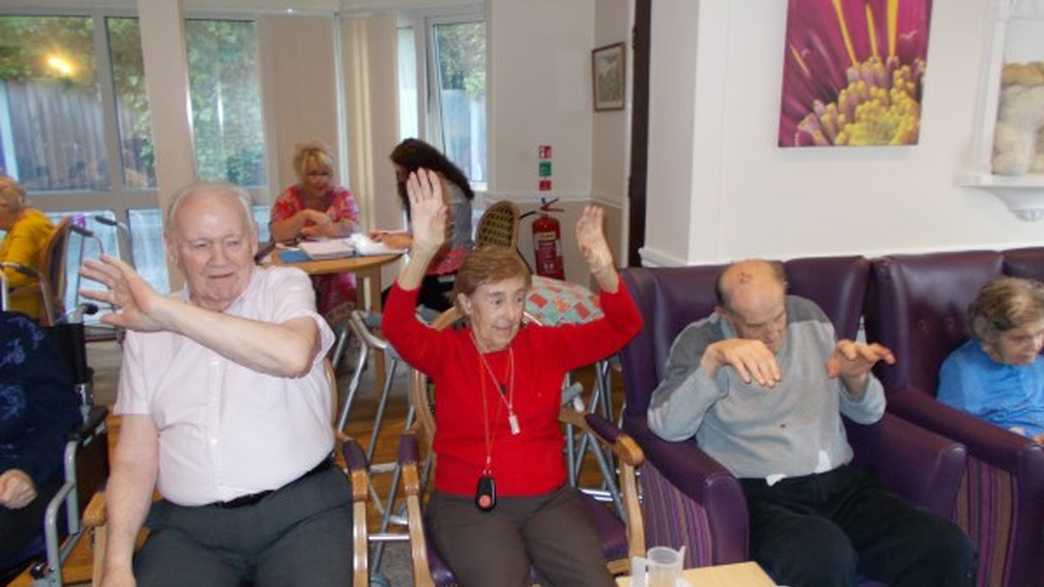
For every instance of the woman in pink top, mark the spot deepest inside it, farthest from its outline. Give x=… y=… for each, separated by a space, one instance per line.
x=316 y=207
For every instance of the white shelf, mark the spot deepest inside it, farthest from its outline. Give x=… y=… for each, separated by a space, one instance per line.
x=1023 y=194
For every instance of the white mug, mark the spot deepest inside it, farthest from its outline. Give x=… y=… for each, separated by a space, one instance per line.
x=661 y=567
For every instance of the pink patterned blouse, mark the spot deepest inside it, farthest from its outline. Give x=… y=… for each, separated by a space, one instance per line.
x=335 y=293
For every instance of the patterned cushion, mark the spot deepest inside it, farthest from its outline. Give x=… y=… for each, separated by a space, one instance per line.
x=674 y=520
x=553 y=302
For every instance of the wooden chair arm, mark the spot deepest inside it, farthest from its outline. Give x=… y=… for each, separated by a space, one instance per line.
x=408 y=457
x=623 y=446
x=95 y=515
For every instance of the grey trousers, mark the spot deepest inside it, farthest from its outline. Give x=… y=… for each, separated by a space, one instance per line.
x=550 y=532
x=298 y=535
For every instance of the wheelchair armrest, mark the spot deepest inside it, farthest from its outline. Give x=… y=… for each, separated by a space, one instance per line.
x=23 y=269
x=92 y=426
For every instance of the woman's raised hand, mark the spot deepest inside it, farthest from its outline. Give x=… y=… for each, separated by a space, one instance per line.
x=427 y=211
x=591 y=239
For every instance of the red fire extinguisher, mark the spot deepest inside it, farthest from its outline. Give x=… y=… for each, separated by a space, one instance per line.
x=547 y=242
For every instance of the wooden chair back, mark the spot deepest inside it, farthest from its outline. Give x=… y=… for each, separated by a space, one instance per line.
x=52 y=272
x=498 y=226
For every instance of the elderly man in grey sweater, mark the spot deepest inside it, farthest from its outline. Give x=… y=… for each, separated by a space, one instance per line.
x=761 y=384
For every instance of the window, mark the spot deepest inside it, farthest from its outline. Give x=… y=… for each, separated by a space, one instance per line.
x=51 y=123
x=226 y=100
x=146 y=229
x=460 y=66
x=407 y=83
x=132 y=103
x=451 y=87
x=80 y=248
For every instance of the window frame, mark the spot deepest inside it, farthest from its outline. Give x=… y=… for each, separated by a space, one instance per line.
x=119 y=198
x=429 y=103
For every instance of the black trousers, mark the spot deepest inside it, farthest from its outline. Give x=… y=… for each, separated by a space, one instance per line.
x=299 y=535
x=825 y=530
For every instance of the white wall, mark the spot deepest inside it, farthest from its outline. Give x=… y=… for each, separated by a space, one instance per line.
x=299 y=87
x=539 y=84
x=611 y=130
x=540 y=94
x=739 y=195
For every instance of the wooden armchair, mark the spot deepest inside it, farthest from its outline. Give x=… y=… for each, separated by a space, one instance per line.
x=621 y=538
x=95 y=516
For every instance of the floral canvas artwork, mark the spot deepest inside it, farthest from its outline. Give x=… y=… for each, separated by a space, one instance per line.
x=853 y=72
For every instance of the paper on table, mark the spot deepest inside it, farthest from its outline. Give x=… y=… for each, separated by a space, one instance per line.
x=334 y=248
x=366 y=246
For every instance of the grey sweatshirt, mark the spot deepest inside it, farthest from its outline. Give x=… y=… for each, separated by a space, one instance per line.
x=789 y=430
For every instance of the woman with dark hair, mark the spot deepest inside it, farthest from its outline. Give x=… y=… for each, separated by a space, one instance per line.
x=998 y=375
x=409 y=156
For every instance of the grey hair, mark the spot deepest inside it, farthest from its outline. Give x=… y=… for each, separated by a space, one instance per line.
x=216 y=187
x=12 y=193
x=1004 y=304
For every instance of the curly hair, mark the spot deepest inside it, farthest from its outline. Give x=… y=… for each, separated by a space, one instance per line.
x=1004 y=304
x=413 y=154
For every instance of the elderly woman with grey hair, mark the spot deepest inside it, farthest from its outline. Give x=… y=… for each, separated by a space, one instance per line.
x=28 y=231
x=998 y=375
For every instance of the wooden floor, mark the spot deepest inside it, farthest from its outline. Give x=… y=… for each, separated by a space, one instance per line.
x=78 y=567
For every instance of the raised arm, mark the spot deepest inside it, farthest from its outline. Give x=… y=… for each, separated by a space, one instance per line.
x=284 y=349
x=428 y=221
x=688 y=390
x=862 y=396
x=591 y=238
x=128 y=495
x=413 y=340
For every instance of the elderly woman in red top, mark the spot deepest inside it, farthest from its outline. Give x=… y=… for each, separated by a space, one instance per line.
x=501 y=503
x=316 y=207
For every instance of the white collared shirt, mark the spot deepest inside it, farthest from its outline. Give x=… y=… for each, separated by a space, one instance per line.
x=226 y=430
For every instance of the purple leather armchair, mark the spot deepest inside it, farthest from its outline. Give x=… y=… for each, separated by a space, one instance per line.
x=916 y=305
x=693 y=500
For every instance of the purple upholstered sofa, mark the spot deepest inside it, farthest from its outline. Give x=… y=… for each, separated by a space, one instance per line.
x=691 y=499
x=916 y=306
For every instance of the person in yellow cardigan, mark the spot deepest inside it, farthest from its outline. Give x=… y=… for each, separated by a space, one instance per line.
x=27 y=233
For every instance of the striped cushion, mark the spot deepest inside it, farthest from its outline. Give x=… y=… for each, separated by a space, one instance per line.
x=986 y=511
x=673 y=519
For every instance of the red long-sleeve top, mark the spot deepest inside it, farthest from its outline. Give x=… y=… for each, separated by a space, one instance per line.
x=529 y=463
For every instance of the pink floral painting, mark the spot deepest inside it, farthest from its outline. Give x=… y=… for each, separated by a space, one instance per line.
x=853 y=72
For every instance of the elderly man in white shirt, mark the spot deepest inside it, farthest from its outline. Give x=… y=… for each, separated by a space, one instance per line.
x=226 y=411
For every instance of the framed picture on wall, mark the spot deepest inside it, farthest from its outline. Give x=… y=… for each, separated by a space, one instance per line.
x=608 y=69
x=853 y=72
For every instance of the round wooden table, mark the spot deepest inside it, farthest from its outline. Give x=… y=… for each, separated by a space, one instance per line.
x=368 y=268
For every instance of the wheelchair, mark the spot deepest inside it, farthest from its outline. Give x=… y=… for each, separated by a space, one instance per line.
x=85 y=467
